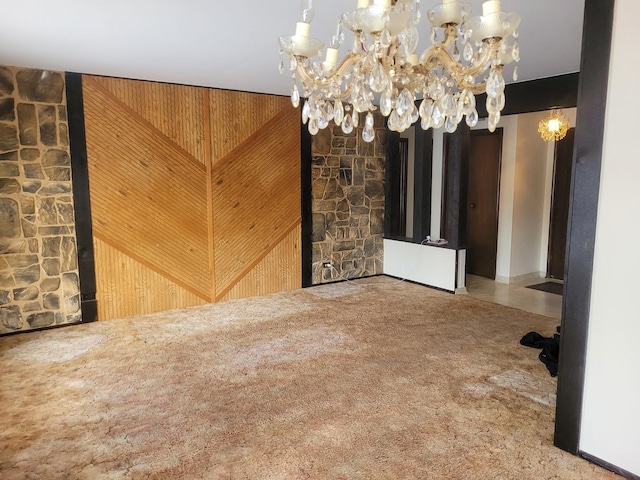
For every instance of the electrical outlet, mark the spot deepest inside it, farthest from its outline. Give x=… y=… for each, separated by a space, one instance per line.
x=327 y=265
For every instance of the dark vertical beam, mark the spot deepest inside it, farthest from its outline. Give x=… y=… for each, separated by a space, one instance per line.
x=306 y=200
x=581 y=229
x=423 y=162
x=457 y=179
x=81 y=200
x=392 y=186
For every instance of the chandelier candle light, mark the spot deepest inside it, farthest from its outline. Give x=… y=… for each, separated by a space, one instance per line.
x=383 y=61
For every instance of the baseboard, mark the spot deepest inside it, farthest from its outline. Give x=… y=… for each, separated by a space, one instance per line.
x=521 y=278
x=620 y=471
x=461 y=291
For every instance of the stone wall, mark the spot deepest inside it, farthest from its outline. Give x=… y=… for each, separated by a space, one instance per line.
x=38 y=257
x=348 y=203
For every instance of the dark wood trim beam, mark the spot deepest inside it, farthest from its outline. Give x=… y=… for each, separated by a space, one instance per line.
x=392 y=220
x=81 y=199
x=456 y=186
x=537 y=95
x=581 y=229
x=422 y=172
x=306 y=201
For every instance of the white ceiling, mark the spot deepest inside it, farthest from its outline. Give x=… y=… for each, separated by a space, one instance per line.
x=230 y=44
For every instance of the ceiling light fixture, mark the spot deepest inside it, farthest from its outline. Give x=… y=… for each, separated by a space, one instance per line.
x=383 y=61
x=554 y=126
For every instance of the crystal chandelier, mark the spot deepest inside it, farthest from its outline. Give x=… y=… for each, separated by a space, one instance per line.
x=554 y=126
x=466 y=57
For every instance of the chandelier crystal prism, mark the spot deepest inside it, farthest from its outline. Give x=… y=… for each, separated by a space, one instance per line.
x=466 y=57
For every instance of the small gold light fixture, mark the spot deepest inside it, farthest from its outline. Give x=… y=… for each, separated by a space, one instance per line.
x=553 y=126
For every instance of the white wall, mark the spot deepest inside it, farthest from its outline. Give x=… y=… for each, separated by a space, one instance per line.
x=611 y=409
x=528 y=197
x=548 y=194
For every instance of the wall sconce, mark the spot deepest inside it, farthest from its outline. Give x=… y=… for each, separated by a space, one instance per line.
x=553 y=126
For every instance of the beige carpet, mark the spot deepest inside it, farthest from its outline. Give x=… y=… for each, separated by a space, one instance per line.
x=382 y=380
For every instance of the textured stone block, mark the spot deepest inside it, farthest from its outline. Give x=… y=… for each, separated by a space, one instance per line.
x=56 y=158
x=31 y=306
x=6 y=82
x=28 y=124
x=5 y=297
x=51 y=247
x=28 y=228
x=51 y=301
x=9 y=170
x=31 y=186
x=62 y=113
x=55 y=188
x=63 y=134
x=376 y=221
x=9 y=186
x=40 y=85
x=8 y=137
x=7 y=109
x=48 y=127
x=28 y=293
x=50 y=284
x=21 y=261
x=27 y=276
x=70 y=285
x=6 y=280
x=61 y=230
x=318 y=228
x=47 y=213
x=11 y=317
x=33 y=245
x=69 y=254
x=12 y=246
x=58 y=173
x=65 y=213
x=51 y=266
x=27 y=205
x=42 y=319
x=12 y=156
x=9 y=218
x=75 y=317
x=33 y=170
x=29 y=154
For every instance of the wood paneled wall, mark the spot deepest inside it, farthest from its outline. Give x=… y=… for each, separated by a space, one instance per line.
x=195 y=194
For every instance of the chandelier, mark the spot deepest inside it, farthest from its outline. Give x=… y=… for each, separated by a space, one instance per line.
x=466 y=57
x=554 y=126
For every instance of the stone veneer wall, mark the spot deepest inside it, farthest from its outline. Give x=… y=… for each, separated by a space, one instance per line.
x=39 y=283
x=348 y=203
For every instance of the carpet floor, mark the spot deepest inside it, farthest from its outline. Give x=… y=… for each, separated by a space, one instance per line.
x=373 y=379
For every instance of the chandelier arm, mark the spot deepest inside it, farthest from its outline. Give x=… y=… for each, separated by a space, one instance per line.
x=307 y=78
x=438 y=55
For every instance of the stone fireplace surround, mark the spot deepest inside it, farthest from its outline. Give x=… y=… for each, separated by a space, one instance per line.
x=39 y=284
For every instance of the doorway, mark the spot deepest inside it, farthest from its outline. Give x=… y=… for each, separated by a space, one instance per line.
x=560 y=206
x=485 y=150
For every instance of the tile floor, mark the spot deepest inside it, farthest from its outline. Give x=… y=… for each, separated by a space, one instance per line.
x=516 y=295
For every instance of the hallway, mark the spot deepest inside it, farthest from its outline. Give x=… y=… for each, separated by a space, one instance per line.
x=516 y=295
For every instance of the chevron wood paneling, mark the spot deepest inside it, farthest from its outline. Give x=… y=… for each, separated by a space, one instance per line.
x=237 y=115
x=147 y=196
x=195 y=194
x=278 y=271
x=135 y=289
x=177 y=111
x=256 y=196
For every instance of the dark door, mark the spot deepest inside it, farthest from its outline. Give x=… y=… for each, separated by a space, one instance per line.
x=482 y=202
x=560 y=206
